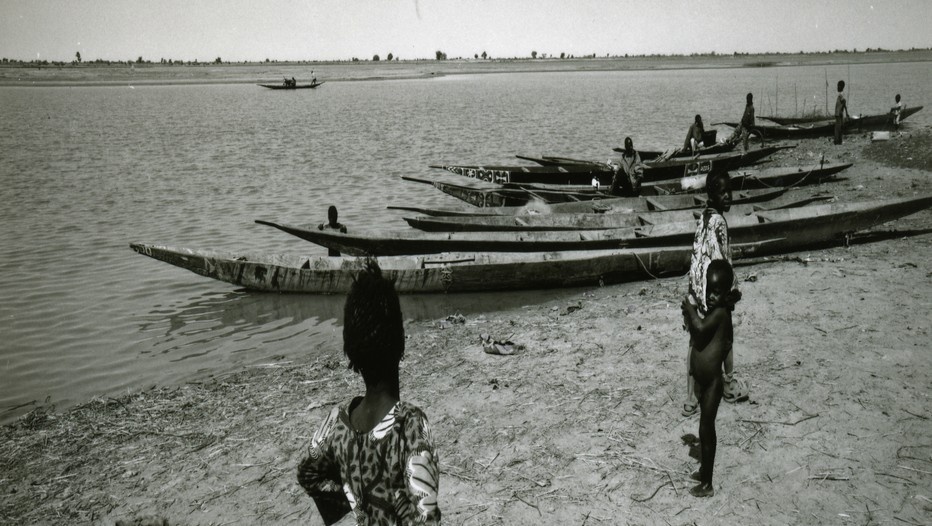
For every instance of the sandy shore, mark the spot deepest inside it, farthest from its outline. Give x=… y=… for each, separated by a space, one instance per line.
x=583 y=425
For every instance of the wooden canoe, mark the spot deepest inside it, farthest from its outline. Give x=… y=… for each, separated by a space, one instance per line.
x=297 y=86
x=882 y=119
x=588 y=221
x=796 y=227
x=601 y=206
x=826 y=128
x=453 y=272
x=486 y=195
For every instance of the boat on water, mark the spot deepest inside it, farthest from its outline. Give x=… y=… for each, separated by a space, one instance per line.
x=613 y=205
x=583 y=173
x=589 y=221
x=794 y=227
x=826 y=128
x=312 y=85
x=451 y=272
x=486 y=195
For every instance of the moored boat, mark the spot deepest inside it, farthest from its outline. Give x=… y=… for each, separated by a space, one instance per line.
x=588 y=221
x=451 y=272
x=795 y=227
x=601 y=206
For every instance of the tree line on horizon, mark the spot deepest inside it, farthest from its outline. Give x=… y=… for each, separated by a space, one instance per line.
x=438 y=55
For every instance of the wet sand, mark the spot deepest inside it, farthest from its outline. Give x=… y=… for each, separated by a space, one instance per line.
x=583 y=424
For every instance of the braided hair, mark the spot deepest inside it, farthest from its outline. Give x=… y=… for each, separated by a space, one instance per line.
x=373 y=327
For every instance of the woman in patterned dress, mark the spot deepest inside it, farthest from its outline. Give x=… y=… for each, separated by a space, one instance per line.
x=374 y=455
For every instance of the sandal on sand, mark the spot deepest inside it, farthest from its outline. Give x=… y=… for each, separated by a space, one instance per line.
x=735 y=391
x=690 y=409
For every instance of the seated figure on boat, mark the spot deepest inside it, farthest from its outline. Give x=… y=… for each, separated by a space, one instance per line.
x=693 y=141
x=627 y=179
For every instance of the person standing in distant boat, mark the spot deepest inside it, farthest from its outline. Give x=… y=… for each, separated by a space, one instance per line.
x=747 y=120
x=897 y=111
x=693 y=141
x=332 y=224
x=841 y=112
x=627 y=179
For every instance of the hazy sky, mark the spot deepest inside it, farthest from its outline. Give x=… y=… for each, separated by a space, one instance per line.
x=252 y=30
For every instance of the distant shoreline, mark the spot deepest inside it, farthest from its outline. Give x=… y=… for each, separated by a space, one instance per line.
x=96 y=74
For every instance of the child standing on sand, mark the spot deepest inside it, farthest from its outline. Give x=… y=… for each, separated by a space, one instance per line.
x=373 y=456
x=711 y=341
x=710 y=243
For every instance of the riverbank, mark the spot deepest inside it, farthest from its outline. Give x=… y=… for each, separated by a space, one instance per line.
x=583 y=424
x=99 y=74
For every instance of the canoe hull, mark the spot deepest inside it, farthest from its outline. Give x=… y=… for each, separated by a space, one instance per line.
x=796 y=227
x=457 y=272
x=299 y=86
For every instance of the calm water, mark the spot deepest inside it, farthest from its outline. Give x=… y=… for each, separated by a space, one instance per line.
x=86 y=170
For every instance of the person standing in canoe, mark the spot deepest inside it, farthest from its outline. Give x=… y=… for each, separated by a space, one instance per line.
x=710 y=243
x=841 y=112
x=693 y=141
x=627 y=178
x=332 y=224
x=374 y=455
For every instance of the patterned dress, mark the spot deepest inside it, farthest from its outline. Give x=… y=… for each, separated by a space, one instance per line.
x=711 y=242
x=386 y=476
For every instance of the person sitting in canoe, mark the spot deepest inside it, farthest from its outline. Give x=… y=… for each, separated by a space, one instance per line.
x=693 y=141
x=332 y=224
x=627 y=179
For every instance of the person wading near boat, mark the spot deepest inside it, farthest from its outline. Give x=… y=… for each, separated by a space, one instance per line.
x=841 y=112
x=627 y=178
x=710 y=243
x=693 y=141
x=374 y=456
x=332 y=224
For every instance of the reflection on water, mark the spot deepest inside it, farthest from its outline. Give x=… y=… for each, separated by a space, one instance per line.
x=86 y=170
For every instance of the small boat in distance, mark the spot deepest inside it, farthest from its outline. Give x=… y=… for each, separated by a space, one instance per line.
x=312 y=85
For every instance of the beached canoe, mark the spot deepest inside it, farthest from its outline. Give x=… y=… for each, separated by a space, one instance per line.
x=296 y=86
x=600 y=206
x=796 y=228
x=882 y=119
x=485 y=195
x=573 y=174
x=826 y=128
x=659 y=169
x=454 y=272
x=590 y=221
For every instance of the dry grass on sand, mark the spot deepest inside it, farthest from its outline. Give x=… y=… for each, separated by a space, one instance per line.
x=583 y=424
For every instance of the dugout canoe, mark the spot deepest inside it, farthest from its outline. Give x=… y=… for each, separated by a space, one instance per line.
x=571 y=174
x=453 y=272
x=583 y=171
x=600 y=206
x=589 y=221
x=297 y=86
x=489 y=195
x=881 y=119
x=796 y=227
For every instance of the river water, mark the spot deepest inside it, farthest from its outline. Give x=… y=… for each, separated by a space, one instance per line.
x=85 y=170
